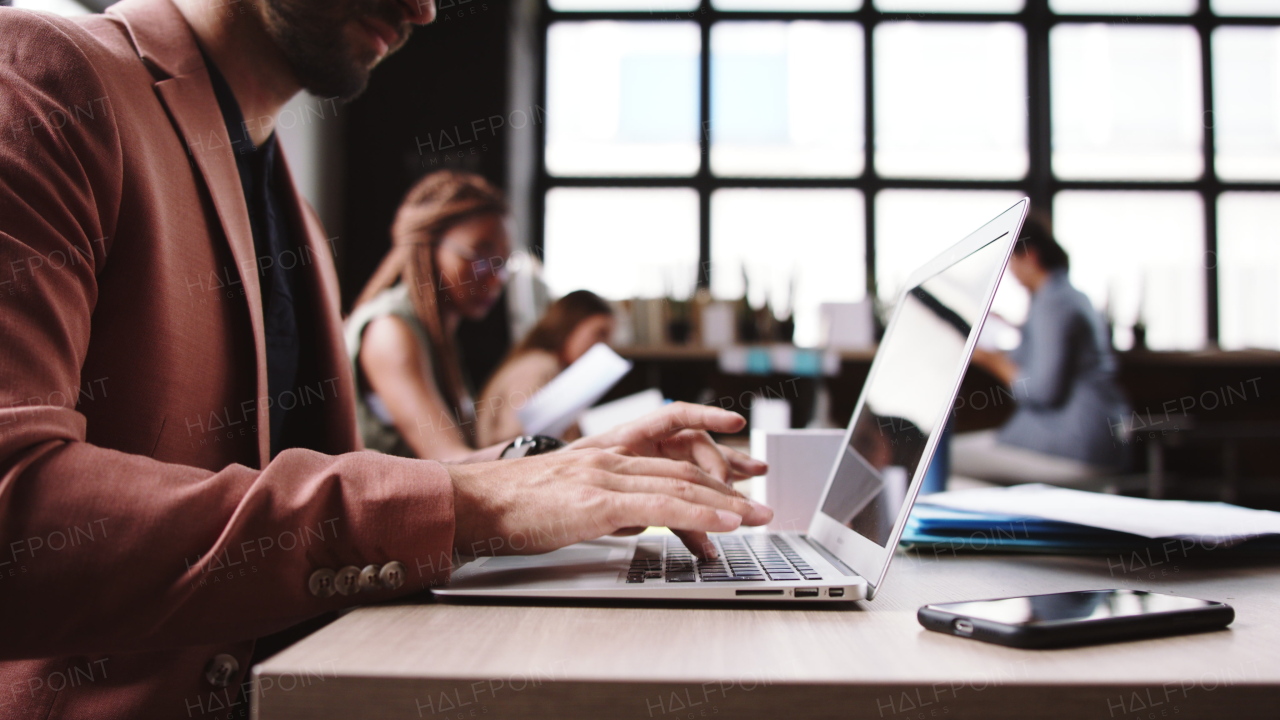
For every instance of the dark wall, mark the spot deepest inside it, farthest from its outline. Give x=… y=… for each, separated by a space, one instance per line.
x=415 y=117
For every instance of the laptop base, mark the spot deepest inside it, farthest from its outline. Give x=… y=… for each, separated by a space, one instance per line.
x=603 y=569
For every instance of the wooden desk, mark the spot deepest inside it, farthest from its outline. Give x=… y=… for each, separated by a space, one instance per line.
x=450 y=661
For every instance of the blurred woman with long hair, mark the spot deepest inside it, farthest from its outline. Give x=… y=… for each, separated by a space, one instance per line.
x=571 y=326
x=449 y=248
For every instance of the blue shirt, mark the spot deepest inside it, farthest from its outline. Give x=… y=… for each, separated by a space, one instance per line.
x=1068 y=401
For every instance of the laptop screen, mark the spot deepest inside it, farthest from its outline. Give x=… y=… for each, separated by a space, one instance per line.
x=918 y=364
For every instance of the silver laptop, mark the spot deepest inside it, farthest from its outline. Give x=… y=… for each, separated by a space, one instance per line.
x=873 y=482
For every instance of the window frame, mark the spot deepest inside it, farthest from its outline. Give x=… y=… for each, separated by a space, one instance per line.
x=1039 y=184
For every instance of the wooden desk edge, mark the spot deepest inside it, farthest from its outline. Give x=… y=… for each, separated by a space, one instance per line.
x=285 y=696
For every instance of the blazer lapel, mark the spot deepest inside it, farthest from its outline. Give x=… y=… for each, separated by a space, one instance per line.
x=164 y=40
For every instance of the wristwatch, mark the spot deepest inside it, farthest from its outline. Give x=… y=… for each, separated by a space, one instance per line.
x=530 y=445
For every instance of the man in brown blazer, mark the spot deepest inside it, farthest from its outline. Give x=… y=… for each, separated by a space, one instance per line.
x=151 y=527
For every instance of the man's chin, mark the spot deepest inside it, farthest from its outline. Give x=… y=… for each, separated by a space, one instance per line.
x=346 y=85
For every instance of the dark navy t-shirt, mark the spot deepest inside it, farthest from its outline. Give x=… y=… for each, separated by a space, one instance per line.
x=277 y=259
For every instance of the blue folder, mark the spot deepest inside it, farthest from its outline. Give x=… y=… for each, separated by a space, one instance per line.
x=937 y=528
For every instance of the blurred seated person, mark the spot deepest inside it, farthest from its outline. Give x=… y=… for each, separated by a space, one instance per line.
x=449 y=248
x=572 y=325
x=1062 y=376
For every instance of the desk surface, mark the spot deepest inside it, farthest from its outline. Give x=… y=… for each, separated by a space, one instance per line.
x=871 y=660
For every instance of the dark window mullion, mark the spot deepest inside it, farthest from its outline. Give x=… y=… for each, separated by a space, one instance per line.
x=870 y=179
x=703 y=180
x=825 y=183
x=1039 y=130
x=713 y=16
x=1209 y=190
x=538 y=208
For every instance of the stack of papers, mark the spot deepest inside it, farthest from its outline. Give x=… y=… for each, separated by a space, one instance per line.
x=607 y=416
x=1043 y=518
x=559 y=403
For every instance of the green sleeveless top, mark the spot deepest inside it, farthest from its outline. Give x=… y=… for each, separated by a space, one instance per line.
x=376 y=425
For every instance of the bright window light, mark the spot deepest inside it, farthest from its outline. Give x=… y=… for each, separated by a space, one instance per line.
x=622 y=243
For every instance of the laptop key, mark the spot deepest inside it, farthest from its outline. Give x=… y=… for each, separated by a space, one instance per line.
x=681 y=577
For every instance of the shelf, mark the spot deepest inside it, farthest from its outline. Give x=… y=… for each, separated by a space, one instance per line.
x=675 y=353
x=1188 y=358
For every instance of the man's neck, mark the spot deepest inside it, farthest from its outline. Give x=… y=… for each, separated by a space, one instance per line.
x=247 y=57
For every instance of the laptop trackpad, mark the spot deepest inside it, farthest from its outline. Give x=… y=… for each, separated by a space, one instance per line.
x=588 y=563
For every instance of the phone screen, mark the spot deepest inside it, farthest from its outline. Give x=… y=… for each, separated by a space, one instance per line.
x=1073 y=606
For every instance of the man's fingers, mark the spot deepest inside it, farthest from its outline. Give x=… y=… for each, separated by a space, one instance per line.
x=698 y=446
x=629 y=509
x=748 y=512
x=742 y=465
x=671 y=468
x=679 y=416
x=698 y=543
x=720 y=461
x=753 y=513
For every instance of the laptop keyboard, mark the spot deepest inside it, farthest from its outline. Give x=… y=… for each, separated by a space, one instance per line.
x=743 y=558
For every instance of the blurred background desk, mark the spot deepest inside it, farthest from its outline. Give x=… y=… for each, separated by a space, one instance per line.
x=1203 y=421
x=873 y=660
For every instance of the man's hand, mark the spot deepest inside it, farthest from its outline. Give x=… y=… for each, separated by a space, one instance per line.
x=680 y=431
x=538 y=504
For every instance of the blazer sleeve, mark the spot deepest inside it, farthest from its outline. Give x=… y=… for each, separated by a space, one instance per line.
x=103 y=551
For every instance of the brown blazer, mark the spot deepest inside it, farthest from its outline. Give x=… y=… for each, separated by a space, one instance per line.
x=143 y=531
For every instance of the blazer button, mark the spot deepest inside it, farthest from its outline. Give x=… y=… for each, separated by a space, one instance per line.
x=368 y=578
x=321 y=582
x=347 y=580
x=221 y=670
x=392 y=575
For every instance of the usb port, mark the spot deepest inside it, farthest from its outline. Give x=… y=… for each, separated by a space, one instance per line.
x=836 y=592
x=806 y=592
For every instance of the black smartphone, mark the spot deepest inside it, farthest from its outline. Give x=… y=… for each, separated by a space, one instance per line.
x=1085 y=617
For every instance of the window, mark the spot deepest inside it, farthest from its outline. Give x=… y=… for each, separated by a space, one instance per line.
x=822 y=149
x=622 y=243
x=1123 y=7
x=1248 y=263
x=1126 y=102
x=1246 y=102
x=795 y=248
x=914 y=225
x=950 y=100
x=787 y=99
x=1140 y=257
x=622 y=98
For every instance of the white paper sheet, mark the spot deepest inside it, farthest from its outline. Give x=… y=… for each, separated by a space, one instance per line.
x=1205 y=521
x=610 y=415
x=559 y=403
